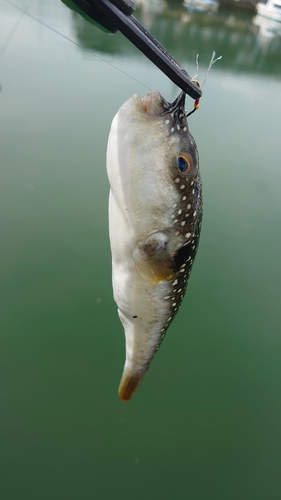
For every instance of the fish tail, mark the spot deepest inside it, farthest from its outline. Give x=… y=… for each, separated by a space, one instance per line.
x=129 y=384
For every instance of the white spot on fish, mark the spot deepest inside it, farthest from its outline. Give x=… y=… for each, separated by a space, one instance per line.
x=186 y=215
x=167 y=121
x=194 y=213
x=188 y=206
x=172 y=129
x=177 y=180
x=193 y=191
x=192 y=183
x=184 y=129
x=178 y=127
x=174 y=304
x=179 y=212
x=175 y=282
x=179 y=290
x=167 y=297
x=182 y=186
x=183 y=223
x=183 y=198
x=188 y=235
x=177 y=233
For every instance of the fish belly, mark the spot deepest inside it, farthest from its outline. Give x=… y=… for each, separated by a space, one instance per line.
x=141 y=307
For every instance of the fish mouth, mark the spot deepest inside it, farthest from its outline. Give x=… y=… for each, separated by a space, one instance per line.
x=155 y=105
x=152 y=103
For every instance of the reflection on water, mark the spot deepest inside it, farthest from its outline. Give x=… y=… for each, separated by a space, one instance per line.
x=209 y=6
x=151 y=7
x=237 y=36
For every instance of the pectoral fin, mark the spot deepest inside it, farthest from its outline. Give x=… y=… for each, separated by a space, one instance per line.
x=153 y=261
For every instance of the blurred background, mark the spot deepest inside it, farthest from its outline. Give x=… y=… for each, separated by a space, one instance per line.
x=205 y=423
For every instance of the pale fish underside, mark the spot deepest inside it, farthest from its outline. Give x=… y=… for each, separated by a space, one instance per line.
x=155 y=211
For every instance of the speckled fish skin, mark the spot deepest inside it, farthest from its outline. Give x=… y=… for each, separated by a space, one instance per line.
x=155 y=211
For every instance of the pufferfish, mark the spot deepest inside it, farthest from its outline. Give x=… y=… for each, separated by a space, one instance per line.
x=155 y=212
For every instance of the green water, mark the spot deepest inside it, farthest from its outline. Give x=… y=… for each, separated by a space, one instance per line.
x=205 y=423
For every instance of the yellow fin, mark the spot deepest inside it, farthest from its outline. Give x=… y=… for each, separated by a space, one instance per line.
x=152 y=260
x=129 y=384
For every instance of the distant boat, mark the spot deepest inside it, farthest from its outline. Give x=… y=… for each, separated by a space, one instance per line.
x=270 y=9
x=201 y=5
x=268 y=28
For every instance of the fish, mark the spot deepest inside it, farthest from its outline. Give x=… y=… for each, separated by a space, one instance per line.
x=155 y=214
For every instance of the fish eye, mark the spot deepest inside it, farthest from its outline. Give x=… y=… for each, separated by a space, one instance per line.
x=184 y=163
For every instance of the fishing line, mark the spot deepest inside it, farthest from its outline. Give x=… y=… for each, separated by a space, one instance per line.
x=14 y=29
x=212 y=61
x=195 y=79
x=24 y=12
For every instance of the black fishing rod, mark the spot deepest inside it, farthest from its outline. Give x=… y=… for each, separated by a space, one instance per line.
x=116 y=15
